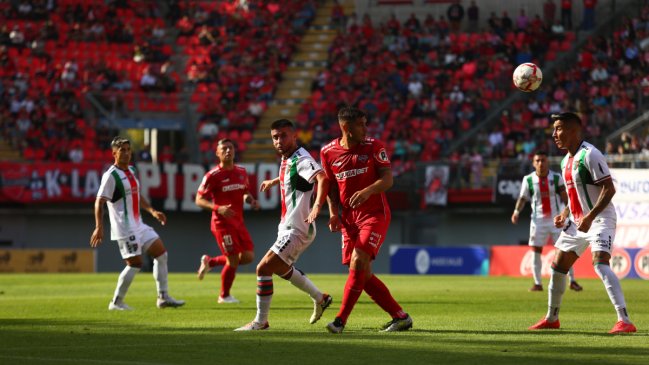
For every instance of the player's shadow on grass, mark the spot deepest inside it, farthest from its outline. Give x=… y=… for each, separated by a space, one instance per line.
x=603 y=333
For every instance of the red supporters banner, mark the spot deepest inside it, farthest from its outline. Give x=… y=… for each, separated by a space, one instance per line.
x=171 y=185
x=49 y=182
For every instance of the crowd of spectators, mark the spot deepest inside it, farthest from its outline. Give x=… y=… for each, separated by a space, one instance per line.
x=237 y=52
x=53 y=52
x=421 y=83
x=608 y=85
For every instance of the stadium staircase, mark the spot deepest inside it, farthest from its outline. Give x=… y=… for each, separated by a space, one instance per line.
x=310 y=58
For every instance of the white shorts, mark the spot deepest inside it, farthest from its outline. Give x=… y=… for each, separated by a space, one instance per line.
x=600 y=237
x=290 y=245
x=539 y=233
x=139 y=241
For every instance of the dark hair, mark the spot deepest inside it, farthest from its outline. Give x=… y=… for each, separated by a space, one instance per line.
x=568 y=118
x=541 y=153
x=350 y=114
x=282 y=123
x=118 y=141
x=224 y=141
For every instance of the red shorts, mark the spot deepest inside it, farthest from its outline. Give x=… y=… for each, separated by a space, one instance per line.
x=233 y=241
x=367 y=236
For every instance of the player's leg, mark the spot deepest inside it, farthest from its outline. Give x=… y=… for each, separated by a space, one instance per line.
x=265 y=270
x=157 y=250
x=555 y=233
x=568 y=248
x=574 y=285
x=563 y=260
x=601 y=263
x=374 y=234
x=227 y=240
x=359 y=270
x=536 y=242
x=131 y=252
x=536 y=268
x=281 y=259
x=207 y=262
x=228 y=274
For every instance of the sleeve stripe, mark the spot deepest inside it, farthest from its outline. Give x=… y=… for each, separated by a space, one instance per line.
x=602 y=179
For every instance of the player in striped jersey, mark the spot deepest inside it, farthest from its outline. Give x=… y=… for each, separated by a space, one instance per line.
x=547 y=193
x=120 y=189
x=589 y=220
x=296 y=231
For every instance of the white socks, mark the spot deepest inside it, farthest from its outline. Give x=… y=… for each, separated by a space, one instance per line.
x=555 y=292
x=123 y=282
x=614 y=290
x=302 y=282
x=536 y=268
x=571 y=274
x=160 y=273
x=264 y=297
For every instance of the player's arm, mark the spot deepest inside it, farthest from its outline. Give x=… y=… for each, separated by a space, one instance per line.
x=383 y=183
x=206 y=204
x=267 y=184
x=160 y=216
x=604 y=198
x=248 y=198
x=98 y=234
x=333 y=201
x=520 y=203
x=321 y=196
x=563 y=195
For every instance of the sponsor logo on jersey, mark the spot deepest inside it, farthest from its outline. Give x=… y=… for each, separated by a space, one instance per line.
x=350 y=173
x=362 y=158
x=337 y=163
x=233 y=187
x=382 y=156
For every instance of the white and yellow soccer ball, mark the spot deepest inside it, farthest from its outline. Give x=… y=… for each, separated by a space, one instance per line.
x=527 y=77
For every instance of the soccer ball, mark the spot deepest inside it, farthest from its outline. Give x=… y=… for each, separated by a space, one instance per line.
x=527 y=77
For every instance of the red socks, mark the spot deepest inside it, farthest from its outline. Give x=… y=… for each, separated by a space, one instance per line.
x=218 y=261
x=227 y=278
x=353 y=289
x=380 y=294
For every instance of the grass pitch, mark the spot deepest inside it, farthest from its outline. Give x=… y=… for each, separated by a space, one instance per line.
x=63 y=319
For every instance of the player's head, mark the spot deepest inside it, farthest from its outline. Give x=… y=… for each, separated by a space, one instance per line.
x=353 y=123
x=121 y=150
x=540 y=162
x=225 y=151
x=567 y=130
x=282 y=131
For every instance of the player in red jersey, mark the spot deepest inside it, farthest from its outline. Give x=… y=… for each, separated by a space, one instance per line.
x=223 y=191
x=361 y=169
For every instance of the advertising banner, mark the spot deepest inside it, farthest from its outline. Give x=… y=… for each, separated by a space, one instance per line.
x=406 y=259
x=631 y=202
x=47 y=260
x=517 y=261
x=507 y=188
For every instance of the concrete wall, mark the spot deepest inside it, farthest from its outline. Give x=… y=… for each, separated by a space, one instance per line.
x=187 y=235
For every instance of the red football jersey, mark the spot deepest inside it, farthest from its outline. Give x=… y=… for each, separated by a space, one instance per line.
x=355 y=169
x=225 y=187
